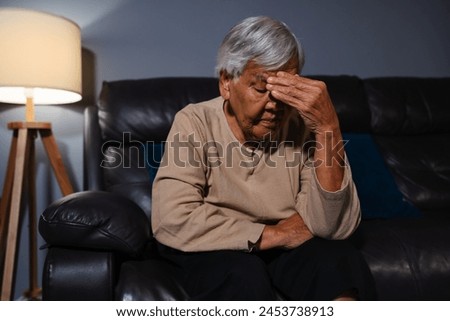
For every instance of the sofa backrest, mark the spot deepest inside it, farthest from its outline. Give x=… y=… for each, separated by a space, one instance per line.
x=410 y=122
x=409 y=119
x=145 y=108
x=134 y=112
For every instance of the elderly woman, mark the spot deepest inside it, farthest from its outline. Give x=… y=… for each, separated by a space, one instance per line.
x=253 y=198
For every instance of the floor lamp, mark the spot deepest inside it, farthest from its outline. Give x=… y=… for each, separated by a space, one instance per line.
x=40 y=64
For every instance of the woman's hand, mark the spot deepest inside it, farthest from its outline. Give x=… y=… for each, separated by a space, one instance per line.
x=288 y=234
x=310 y=98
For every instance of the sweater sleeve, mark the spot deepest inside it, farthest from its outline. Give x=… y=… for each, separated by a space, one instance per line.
x=330 y=215
x=180 y=216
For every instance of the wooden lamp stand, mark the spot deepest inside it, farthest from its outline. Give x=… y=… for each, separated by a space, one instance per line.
x=20 y=174
x=51 y=75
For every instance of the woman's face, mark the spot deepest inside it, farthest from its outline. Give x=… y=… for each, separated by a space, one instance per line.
x=251 y=111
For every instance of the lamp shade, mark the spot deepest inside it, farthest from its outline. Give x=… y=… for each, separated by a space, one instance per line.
x=40 y=57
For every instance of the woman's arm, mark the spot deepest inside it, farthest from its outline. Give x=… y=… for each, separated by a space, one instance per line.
x=180 y=216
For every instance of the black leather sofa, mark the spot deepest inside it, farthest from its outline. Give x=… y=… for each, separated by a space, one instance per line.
x=99 y=240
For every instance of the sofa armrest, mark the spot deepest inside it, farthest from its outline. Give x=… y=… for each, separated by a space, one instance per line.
x=96 y=220
x=76 y=274
x=148 y=280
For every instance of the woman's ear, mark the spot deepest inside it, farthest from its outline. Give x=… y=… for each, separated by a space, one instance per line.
x=224 y=84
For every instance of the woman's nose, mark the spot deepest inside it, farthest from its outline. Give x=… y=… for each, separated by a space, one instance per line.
x=272 y=103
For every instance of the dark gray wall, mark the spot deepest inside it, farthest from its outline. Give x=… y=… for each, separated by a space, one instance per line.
x=361 y=37
x=151 y=38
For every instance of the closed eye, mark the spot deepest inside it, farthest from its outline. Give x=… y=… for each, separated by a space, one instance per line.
x=261 y=90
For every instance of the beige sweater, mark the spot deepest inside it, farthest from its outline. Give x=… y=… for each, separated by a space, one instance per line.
x=212 y=193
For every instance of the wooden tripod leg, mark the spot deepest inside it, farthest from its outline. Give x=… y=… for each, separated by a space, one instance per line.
x=34 y=291
x=14 y=214
x=6 y=198
x=56 y=161
x=6 y=201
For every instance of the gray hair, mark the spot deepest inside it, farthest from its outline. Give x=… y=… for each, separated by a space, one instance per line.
x=266 y=41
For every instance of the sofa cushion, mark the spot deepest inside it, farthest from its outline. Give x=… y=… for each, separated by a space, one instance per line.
x=420 y=165
x=408 y=258
x=377 y=190
x=153 y=154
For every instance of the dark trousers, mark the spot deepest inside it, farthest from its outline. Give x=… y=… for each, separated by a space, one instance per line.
x=317 y=270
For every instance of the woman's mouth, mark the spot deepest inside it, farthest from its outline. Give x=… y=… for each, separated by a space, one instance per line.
x=270 y=122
